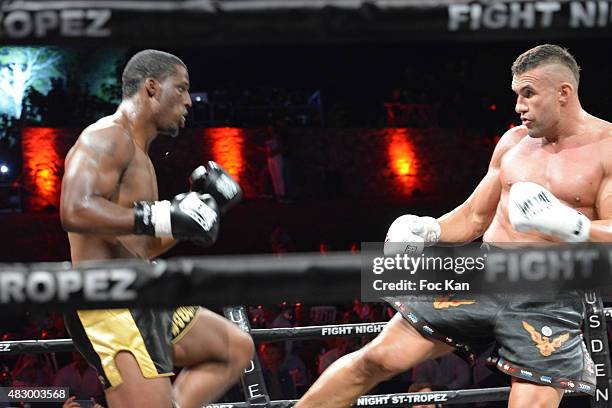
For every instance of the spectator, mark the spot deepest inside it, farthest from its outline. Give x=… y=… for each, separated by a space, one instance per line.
x=81 y=378
x=72 y=403
x=449 y=370
x=32 y=370
x=422 y=387
x=282 y=318
x=341 y=347
x=275 y=153
x=281 y=241
x=278 y=381
x=296 y=368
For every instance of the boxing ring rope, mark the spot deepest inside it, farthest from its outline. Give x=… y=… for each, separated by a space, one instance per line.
x=408 y=399
x=305 y=277
x=217 y=281
x=307 y=333
x=214 y=281
x=259 y=336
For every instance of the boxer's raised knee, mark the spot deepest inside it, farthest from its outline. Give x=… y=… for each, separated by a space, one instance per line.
x=399 y=348
x=242 y=349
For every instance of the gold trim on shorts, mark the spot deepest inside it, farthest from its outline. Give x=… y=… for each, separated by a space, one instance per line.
x=114 y=330
x=183 y=319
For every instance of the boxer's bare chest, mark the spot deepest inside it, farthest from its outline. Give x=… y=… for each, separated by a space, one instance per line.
x=573 y=173
x=138 y=181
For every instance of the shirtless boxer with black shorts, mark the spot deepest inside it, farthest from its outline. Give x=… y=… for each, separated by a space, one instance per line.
x=560 y=159
x=110 y=209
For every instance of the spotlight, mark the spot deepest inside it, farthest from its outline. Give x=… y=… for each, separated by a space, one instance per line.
x=200 y=97
x=4 y=169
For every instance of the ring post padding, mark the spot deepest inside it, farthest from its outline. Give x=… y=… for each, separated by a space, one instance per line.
x=596 y=338
x=252 y=379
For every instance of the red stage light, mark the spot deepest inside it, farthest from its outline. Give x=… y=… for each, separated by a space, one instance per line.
x=226 y=148
x=403 y=159
x=43 y=165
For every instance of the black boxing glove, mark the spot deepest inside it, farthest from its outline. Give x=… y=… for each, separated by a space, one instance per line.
x=214 y=180
x=189 y=216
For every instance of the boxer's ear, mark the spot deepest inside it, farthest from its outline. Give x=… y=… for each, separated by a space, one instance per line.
x=566 y=90
x=151 y=86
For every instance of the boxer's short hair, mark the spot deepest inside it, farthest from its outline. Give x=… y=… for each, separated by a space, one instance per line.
x=147 y=64
x=545 y=54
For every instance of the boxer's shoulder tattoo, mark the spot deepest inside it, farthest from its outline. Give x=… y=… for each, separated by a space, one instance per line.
x=108 y=149
x=101 y=147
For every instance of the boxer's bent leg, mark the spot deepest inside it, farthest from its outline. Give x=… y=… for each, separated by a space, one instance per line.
x=213 y=354
x=397 y=348
x=136 y=390
x=131 y=351
x=532 y=395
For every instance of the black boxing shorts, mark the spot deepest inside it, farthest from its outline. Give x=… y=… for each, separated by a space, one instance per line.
x=148 y=334
x=539 y=342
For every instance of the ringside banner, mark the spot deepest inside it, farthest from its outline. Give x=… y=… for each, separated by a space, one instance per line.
x=243 y=22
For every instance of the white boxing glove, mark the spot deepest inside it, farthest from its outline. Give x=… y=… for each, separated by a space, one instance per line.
x=532 y=207
x=409 y=234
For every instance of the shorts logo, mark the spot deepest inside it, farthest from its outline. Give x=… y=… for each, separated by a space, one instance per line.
x=546 y=331
x=412 y=318
x=526 y=373
x=181 y=317
x=569 y=384
x=544 y=345
x=428 y=329
x=445 y=303
x=546 y=379
x=507 y=367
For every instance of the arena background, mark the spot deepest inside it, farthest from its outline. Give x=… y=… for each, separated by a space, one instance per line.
x=384 y=107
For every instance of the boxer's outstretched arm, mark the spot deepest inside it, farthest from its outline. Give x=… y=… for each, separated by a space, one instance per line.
x=471 y=219
x=93 y=170
x=601 y=228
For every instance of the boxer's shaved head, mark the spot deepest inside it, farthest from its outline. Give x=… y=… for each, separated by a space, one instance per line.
x=548 y=54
